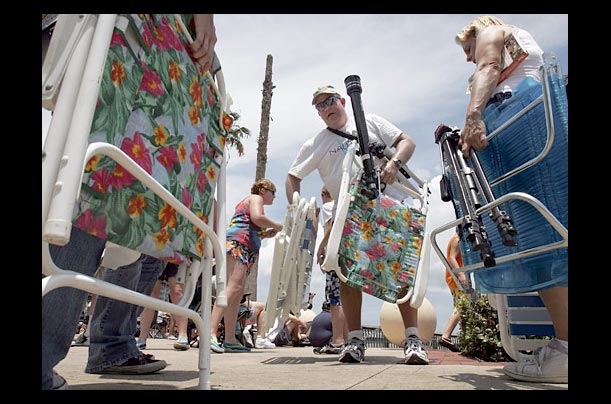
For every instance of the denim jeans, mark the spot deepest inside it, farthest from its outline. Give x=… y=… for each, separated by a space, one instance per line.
x=114 y=323
x=62 y=307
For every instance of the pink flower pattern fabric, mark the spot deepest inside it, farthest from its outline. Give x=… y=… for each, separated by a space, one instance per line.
x=162 y=110
x=381 y=244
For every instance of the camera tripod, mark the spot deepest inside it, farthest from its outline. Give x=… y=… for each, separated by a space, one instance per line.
x=471 y=185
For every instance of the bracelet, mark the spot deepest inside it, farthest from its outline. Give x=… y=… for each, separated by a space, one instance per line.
x=397 y=162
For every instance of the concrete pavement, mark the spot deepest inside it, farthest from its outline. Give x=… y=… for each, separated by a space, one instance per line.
x=289 y=368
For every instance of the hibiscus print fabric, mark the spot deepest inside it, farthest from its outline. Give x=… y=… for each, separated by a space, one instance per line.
x=381 y=244
x=159 y=107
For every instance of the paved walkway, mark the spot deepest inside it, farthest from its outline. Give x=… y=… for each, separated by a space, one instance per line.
x=289 y=368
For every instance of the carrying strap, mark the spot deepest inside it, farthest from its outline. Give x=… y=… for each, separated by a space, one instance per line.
x=352 y=137
x=342 y=134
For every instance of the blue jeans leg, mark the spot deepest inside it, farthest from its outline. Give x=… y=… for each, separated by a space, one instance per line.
x=62 y=307
x=151 y=271
x=114 y=323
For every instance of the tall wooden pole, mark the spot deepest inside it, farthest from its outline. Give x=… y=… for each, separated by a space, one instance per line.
x=266 y=104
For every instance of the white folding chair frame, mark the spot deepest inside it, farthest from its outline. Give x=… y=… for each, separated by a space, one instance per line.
x=531 y=317
x=291 y=264
x=65 y=152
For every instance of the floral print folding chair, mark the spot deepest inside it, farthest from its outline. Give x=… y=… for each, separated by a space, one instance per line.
x=381 y=243
x=178 y=142
x=138 y=133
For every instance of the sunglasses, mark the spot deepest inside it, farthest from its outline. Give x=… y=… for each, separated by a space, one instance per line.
x=273 y=192
x=329 y=101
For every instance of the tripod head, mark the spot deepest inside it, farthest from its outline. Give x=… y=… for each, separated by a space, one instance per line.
x=445 y=132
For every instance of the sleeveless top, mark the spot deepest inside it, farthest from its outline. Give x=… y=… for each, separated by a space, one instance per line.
x=242 y=229
x=449 y=280
x=529 y=66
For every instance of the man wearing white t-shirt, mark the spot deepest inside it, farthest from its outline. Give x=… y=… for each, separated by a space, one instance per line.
x=325 y=152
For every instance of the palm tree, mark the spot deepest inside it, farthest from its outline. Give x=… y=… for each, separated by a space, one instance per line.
x=236 y=134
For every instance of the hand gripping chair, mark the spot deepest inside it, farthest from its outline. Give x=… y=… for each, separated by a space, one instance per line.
x=126 y=162
x=522 y=248
x=291 y=264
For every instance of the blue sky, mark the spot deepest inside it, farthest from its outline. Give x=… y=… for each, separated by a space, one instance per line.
x=412 y=73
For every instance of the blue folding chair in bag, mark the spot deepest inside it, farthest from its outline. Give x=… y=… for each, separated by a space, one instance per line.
x=291 y=264
x=134 y=154
x=511 y=202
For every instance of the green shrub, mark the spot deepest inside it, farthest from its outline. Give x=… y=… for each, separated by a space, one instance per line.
x=479 y=335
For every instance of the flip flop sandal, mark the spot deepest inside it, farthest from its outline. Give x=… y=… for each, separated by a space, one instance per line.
x=448 y=344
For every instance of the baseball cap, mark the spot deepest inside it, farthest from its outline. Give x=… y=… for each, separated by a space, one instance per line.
x=324 y=90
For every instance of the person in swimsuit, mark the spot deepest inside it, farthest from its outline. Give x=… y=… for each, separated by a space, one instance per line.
x=248 y=226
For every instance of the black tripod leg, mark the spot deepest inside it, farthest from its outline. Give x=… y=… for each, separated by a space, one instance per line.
x=467 y=190
x=502 y=220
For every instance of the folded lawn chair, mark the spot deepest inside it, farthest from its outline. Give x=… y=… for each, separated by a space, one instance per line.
x=292 y=264
x=511 y=199
x=524 y=323
x=127 y=162
x=380 y=239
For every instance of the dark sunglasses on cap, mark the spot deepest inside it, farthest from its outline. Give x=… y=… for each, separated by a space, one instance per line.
x=329 y=101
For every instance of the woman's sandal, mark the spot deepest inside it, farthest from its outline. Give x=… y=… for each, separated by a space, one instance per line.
x=445 y=342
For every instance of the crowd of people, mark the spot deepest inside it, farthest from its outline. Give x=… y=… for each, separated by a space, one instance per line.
x=113 y=348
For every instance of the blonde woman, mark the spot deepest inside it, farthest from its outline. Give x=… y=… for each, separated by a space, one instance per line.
x=483 y=40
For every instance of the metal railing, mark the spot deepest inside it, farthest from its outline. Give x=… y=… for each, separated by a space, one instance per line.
x=374 y=338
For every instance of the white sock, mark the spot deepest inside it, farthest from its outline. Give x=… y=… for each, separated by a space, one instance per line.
x=409 y=331
x=356 y=334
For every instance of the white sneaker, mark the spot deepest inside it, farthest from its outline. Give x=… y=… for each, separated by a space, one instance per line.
x=247 y=337
x=414 y=351
x=80 y=340
x=549 y=364
x=353 y=351
x=264 y=343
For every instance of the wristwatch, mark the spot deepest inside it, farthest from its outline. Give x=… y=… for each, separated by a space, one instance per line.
x=397 y=162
